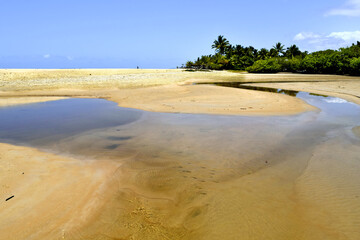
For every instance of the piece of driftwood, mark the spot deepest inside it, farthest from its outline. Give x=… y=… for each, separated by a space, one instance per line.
x=9 y=198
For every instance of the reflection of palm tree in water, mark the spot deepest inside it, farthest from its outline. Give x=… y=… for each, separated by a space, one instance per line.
x=256 y=88
x=289 y=92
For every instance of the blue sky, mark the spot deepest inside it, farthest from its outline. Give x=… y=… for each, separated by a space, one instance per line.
x=162 y=34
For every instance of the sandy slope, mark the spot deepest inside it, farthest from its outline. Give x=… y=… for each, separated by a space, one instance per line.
x=209 y=99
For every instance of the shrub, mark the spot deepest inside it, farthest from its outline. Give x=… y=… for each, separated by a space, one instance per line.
x=291 y=65
x=270 y=65
x=355 y=66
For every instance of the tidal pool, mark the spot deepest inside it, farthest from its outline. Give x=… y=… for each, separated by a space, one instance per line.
x=198 y=176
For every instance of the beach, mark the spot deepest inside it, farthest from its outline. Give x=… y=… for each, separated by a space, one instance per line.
x=239 y=187
x=173 y=90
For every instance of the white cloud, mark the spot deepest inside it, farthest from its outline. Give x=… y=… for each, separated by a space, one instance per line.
x=70 y=58
x=346 y=36
x=335 y=100
x=306 y=35
x=351 y=9
x=333 y=40
x=46 y=56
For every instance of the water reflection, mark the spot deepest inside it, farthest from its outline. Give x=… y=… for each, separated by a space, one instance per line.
x=198 y=176
x=47 y=122
x=319 y=95
x=256 y=88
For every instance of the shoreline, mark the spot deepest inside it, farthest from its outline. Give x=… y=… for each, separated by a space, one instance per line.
x=166 y=90
x=97 y=82
x=69 y=195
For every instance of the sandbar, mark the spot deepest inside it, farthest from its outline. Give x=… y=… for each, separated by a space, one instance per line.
x=156 y=90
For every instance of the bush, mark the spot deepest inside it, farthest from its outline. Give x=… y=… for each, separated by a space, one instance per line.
x=236 y=57
x=270 y=65
x=189 y=64
x=291 y=65
x=355 y=66
x=328 y=62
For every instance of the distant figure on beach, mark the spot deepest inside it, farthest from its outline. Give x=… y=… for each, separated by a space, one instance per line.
x=137 y=67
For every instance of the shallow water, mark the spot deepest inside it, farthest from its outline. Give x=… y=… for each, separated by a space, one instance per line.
x=50 y=121
x=208 y=176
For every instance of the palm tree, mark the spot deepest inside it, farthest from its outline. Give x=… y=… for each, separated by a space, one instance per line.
x=263 y=53
x=279 y=48
x=220 y=44
x=293 y=51
x=239 y=49
x=273 y=53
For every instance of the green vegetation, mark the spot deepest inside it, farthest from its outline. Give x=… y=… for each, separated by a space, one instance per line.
x=279 y=59
x=271 y=65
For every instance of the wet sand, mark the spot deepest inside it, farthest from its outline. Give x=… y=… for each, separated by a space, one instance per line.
x=233 y=185
x=51 y=193
x=198 y=179
x=338 y=86
x=356 y=131
x=12 y=101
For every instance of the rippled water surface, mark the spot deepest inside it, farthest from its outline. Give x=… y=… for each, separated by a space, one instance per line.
x=210 y=176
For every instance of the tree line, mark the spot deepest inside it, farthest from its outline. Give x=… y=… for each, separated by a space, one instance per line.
x=345 y=61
